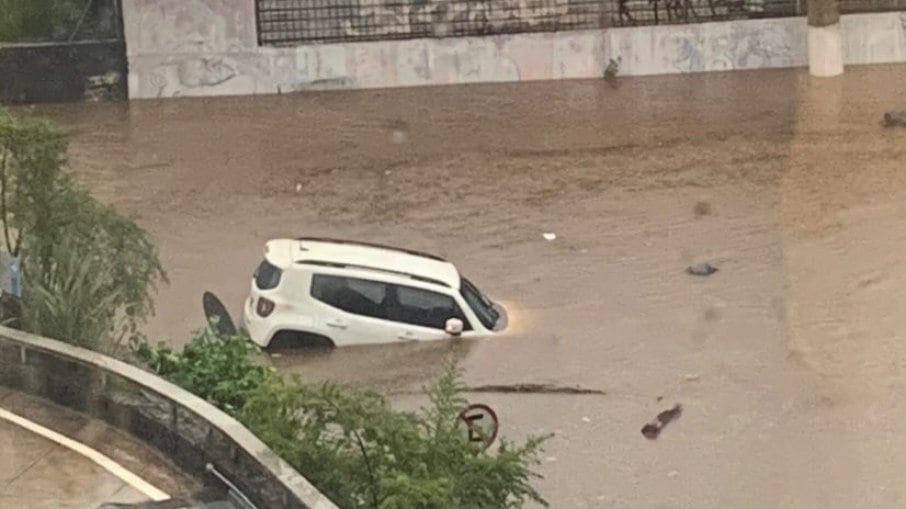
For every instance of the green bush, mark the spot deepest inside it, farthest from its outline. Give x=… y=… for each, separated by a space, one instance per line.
x=220 y=371
x=56 y=20
x=350 y=443
x=88 y=271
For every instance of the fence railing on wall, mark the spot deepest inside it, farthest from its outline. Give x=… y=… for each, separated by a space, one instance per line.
x=293 y=22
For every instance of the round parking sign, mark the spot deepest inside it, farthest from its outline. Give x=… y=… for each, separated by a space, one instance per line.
x=479 y=424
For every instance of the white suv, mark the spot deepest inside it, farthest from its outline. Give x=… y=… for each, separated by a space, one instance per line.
x=337 y=292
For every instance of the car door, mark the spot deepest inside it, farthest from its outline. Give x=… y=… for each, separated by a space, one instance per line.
x=353 y=310
x=423 y=313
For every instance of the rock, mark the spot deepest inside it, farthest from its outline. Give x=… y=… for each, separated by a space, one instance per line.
x=895 y=118
x=701 y=269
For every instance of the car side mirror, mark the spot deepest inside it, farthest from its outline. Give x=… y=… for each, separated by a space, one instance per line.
x=454 y=327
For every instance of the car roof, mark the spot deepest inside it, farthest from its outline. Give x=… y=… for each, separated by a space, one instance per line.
x=362 y=255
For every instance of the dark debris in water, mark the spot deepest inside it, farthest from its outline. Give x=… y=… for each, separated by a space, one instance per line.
x=894 y=118
x=533 y=389
x=701 y=269
x=653 y=429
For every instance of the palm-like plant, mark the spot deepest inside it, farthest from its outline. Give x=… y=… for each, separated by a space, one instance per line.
x=73 y=300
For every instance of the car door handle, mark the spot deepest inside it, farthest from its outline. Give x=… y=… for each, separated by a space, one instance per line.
x=406 y=337
x=337 y=325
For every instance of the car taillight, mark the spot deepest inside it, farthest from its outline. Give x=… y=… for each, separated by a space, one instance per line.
x=265 y=307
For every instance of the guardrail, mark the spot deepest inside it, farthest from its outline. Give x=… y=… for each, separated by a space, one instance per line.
x=194 y=434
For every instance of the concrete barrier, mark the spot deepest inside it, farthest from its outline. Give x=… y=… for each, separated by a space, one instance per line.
x=187 y=429
x=210 y=47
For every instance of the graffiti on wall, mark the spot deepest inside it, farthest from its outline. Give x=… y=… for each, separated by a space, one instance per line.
x=746 y=47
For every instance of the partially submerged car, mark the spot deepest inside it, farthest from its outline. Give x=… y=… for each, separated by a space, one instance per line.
x=316 y=291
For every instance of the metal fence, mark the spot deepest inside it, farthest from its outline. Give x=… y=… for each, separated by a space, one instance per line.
x=282 y=22
x=291 y=22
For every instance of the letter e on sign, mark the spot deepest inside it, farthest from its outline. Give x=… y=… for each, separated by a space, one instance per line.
x=480 y=424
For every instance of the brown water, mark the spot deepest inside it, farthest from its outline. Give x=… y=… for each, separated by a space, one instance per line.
x=789 y=361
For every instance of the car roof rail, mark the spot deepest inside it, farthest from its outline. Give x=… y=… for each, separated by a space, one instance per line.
x=371 y=244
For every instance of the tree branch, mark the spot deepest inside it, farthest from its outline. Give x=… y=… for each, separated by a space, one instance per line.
x=365 y=457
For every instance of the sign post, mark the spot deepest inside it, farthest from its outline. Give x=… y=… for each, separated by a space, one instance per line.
x=480 y=424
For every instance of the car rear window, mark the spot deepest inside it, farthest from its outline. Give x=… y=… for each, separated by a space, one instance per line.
x=267 y=276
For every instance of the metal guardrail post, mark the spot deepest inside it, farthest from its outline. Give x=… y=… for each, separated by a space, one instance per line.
x=232 y=487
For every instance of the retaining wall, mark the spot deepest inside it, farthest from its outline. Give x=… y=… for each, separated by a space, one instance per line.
x=210 y=47
x=56 y=72
x=187 y=429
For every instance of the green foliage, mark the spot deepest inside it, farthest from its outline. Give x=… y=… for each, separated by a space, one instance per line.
x=89 y=272
x=69 y=299
x=221 y=371
x=350 y=443
x=56 y=20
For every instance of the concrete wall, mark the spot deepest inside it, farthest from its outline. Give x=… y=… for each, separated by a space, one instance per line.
x=209 y=47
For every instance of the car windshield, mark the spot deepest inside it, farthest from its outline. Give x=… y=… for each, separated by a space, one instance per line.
x=482 y=306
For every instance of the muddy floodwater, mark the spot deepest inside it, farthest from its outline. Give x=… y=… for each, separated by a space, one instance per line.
x=789 y=361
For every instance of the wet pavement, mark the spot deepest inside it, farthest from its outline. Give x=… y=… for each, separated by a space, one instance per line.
x=36 y=472
x=788 y=361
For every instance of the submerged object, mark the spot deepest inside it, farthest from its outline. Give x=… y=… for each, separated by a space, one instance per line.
x=895 y=118
x=701 y=269
x=653 y=429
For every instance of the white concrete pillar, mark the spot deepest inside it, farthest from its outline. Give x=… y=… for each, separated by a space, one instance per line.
x=825 y=51
x=825 y=44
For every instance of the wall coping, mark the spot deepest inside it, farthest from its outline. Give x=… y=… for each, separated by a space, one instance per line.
x=295 y=482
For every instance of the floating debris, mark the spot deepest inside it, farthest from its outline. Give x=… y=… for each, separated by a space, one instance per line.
x=654 y=428
x=701 y=208
x=895 y=118
x=549 y=236
x=398 y=136
x=533 y=389
x=701 y=269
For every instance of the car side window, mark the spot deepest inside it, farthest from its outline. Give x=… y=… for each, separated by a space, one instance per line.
x=425 y=308
x=353 y=295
